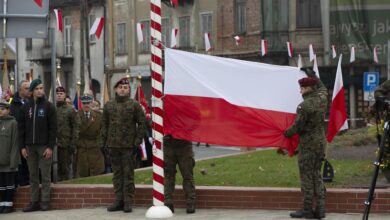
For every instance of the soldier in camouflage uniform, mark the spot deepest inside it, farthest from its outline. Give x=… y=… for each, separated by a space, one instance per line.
x=123 y=127
x=309 y=125
x=68 y=133
x=179 y=152
x=90 y=160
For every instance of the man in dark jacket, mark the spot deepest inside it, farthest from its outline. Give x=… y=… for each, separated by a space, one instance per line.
x=21 y=97
x=38 y=134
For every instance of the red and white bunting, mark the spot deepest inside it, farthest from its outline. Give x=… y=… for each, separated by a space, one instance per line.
x=175 y=3
x=352 y=58
x=264 y=49
x=315 y=66
x=207 y=44
x=140 y=35
x=39 y=3
x=238 y=40
x=338 y=111
x=173 y=37
x=289 y=49
x=376 y=56
x=58 y=14
x=97 y=27
x=311 y=52
x=299 y=63
x=334 y=54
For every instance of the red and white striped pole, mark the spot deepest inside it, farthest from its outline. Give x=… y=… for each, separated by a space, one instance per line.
x=158 y=210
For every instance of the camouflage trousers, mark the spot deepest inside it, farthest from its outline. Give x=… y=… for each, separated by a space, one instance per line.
x=179 y=152
x=311 y=181
x=123 y=164
x=64 y=159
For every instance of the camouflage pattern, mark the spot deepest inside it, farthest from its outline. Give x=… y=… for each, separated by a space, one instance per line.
x=68 y=134
x=90 y=160
x=179 y=152
x=309 y=125
x=123 y=127
x=383 y=89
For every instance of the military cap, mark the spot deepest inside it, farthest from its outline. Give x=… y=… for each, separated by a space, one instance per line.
x=4 y=103
x=122 y=81
x=307 y=81
x=34 y=84
x=60 y=89
x=86 y=99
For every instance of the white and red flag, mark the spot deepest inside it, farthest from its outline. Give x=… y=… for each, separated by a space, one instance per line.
x=173 y=37
x=375 y=56
x=175 y=3
x=140 y=97
x=58 y=14
x=207 y=44
x=140 y=35
x=311 y=52
x=207 y=105
x=264 y=49
x=334 y=54
x=299 y=63
x=97 y=27
x=39 y=3
x=338 y=111
x=315 y=66
x=289 y=49
x=238 y=40
x=352 y=58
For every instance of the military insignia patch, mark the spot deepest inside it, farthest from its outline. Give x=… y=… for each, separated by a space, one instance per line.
x=41 y=112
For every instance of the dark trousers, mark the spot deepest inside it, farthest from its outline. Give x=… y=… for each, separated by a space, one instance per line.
x=23 y=177
x=7 y=188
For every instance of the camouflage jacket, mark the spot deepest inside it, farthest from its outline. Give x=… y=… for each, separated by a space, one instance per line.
x=123 y=123
x=68 y=123
x=383 y=89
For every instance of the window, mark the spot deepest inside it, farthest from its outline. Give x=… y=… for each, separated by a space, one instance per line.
x=68 y=36
x=92 y=38
x=145 y=45
x=308 y=14
x=166 y=32
x=121 y=46
x=206 y=26
x=28 y=43
x=240 y=16
x=184 y=31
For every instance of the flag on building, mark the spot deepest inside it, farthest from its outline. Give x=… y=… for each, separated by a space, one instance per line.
x=173 y=37
x=175 y=3
x=207 y=44
x=352 y=58
x=97 y=27
x=334 y=54
x=58 y=14
x=140 y=35
x=338 y=111
x=315 y=66
x=39 y=3
x=238 y=40
x=375 y=56
x=311 y=52
x=289 y=49
x=253 y=113
x=264 y=49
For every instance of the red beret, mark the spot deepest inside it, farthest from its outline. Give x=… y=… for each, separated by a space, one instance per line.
x=308 y=81
x=60 y=89
x=122 y=81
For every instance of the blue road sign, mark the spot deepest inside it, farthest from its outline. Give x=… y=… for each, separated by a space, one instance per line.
x=371 y=81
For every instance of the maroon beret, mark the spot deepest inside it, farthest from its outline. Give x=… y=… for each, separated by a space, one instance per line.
x=308 y=81
x=60 y=89
x=122 y=81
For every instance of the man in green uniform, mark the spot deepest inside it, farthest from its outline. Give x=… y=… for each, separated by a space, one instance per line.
x=309 y=125
x=123 y=127
x=90 y=160
x=68 y=133
x=179 y=152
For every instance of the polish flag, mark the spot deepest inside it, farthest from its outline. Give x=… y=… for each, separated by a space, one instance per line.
x=334 y=54
x=207 y=44
x=58 y=14
x=204 y=104
x=264 y=49
x=140 y=36
x=300 y=65
x=289 y=49
x=338 y=111
x=140 y=97
x=175 y=3
x=97 y=27
x=311 y=52
x=39 y=3
x=352 y=59
x=173 y=37
x=238 y=40
x=376 y=56
x=315 y=66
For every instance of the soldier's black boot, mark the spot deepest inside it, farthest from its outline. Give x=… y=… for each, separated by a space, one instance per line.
x=127 y=207
x=190 y=208
x=305 y=213
x=45 y=206
x=117 y=206
x=319 y=213
x=32 y=207
x=170 y=206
